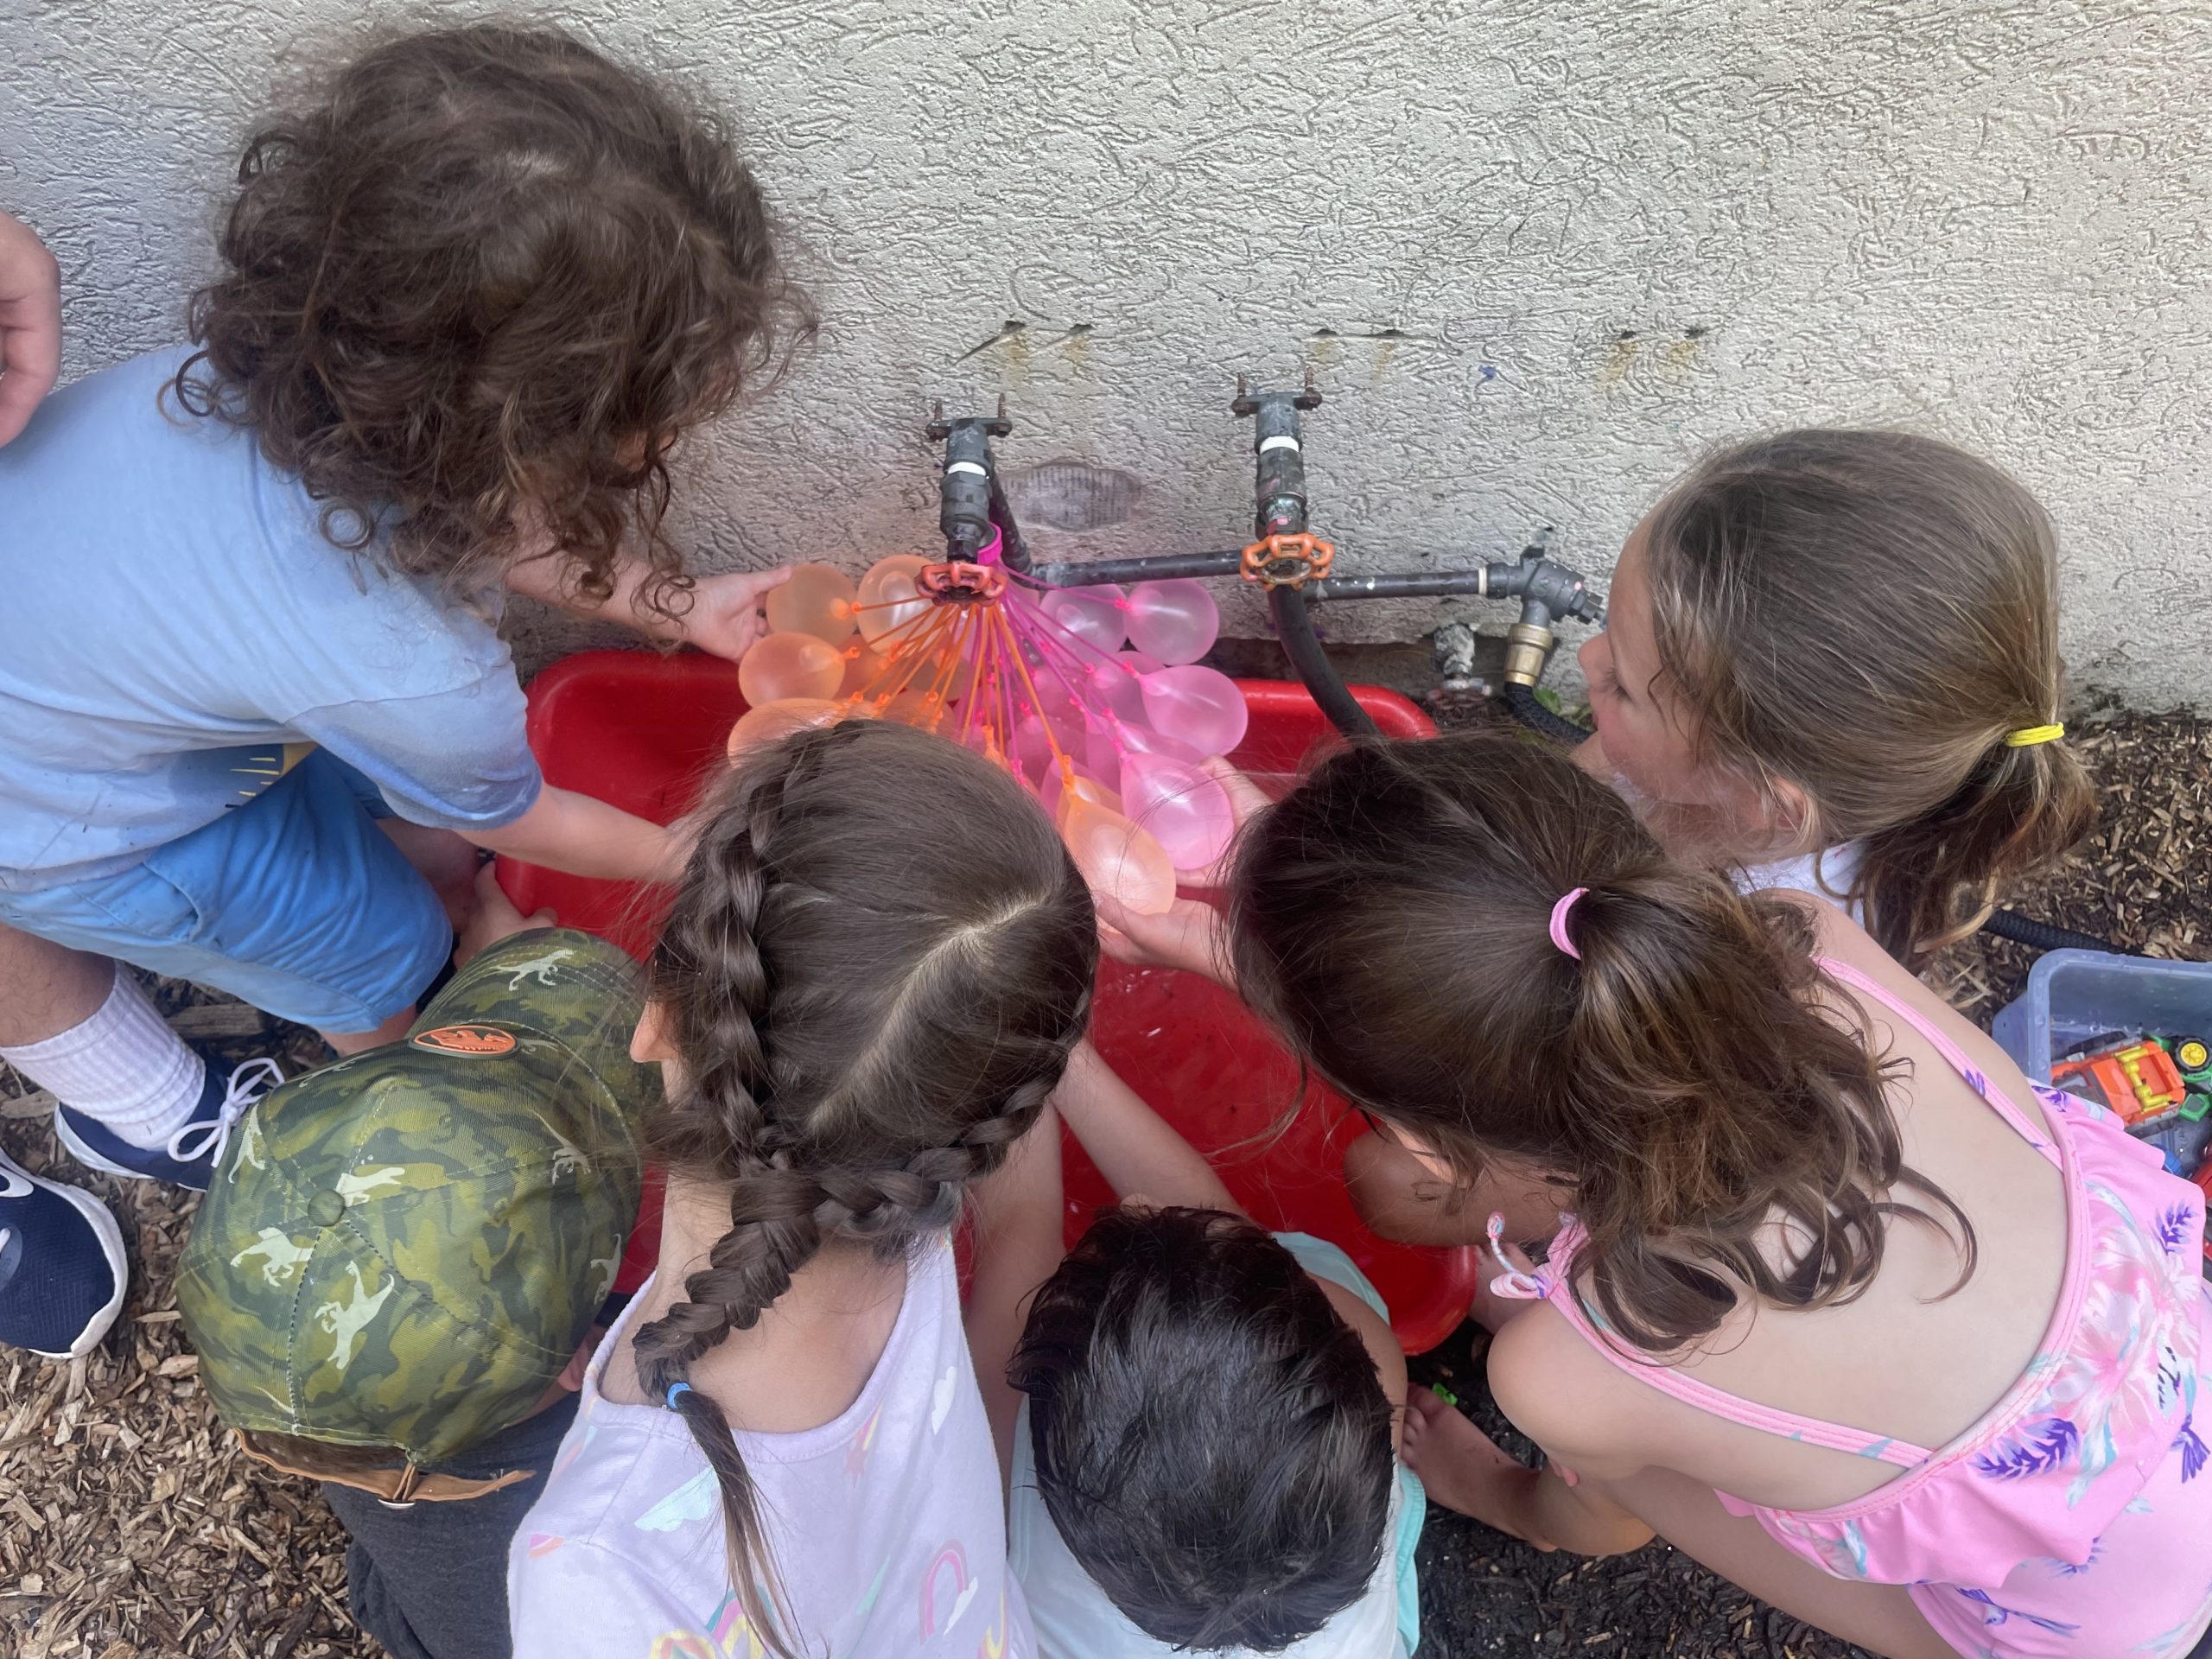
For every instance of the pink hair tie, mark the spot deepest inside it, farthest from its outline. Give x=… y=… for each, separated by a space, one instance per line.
x=1559 y=922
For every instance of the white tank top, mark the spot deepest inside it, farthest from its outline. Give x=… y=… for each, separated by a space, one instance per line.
x=1826 y=874
x=885 y=1522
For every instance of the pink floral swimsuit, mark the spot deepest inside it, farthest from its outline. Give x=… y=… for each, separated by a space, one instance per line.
x=2076 y=1517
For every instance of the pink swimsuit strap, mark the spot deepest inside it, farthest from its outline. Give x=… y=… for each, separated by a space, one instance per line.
x=1553 y=1284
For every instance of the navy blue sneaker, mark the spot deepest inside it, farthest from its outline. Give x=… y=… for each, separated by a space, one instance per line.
x=190 y=1158
x=62 y=1269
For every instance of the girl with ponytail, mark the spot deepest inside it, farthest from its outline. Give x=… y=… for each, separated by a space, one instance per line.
x=1831 y=662
x=1834 y=1299
x=876 y=965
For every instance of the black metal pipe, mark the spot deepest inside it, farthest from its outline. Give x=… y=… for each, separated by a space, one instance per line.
x=1492 y=582
x=1498 y=581
x=1495 y=580
x=1078 y=573
x=1294 y=626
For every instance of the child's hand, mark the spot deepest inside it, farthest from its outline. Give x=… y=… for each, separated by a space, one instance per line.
x=1187 y=935
x=725 y=616
x=496 y=919
x=1245 y=799
x=1464 y=1470
x=30 y=325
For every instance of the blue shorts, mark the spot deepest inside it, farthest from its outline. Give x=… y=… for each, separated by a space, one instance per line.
x=295 y=902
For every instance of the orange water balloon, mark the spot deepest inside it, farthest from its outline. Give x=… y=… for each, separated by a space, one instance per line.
x=819 y=600
x=918 y=705
x=1117 y=858
x=773 y=721
x=1087 y=788
x=864 y=666
x=791 y=665
x=890 y=597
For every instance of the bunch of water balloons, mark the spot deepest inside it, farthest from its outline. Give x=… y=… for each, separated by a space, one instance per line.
x=1093 y=697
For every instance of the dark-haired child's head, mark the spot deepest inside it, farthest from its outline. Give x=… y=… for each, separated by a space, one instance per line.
x=1674 y=1073
x=1210 y=1436
x=1827 y=636
x=476 y=281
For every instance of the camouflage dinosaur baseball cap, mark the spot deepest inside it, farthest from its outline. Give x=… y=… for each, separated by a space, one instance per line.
x=401 y=1251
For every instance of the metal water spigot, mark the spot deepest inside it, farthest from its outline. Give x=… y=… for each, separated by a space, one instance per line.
x=970 y=506
x=1547 y=590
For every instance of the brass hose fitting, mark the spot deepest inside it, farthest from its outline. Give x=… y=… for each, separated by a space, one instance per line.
x=1527 y=648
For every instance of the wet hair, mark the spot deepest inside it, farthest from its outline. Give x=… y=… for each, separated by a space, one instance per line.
x=475 y=283
x=1866 y=615
x=877 y=962
x=1392 y=917
x=1210 y=1436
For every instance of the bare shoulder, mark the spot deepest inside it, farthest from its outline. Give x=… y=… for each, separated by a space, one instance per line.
x=1839 y=938
x=1567 y=1398
x=1381 y=1342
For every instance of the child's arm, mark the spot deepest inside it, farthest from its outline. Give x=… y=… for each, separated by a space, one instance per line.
x=1135 y=1148
x=563 y=830
x=1017 y=1248
x=723 y=617
x=30 y=324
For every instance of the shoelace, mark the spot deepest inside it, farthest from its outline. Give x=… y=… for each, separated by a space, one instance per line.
x=208 y=1137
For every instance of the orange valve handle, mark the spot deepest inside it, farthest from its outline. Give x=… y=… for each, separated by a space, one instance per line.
x=1287 y=560
x=961 y=582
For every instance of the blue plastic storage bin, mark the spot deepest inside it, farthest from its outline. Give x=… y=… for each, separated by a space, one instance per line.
x=2072 y=996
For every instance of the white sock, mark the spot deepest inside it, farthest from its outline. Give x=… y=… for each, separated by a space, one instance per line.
x=123 y=1067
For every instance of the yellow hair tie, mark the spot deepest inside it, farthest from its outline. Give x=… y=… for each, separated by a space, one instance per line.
x=2029 y=736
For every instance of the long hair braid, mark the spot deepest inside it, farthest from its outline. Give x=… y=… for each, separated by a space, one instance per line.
x=863 y=1033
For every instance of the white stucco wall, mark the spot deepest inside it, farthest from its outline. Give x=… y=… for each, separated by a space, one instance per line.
x=1605 y=235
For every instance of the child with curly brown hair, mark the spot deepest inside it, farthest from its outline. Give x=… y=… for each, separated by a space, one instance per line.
x=472 y=292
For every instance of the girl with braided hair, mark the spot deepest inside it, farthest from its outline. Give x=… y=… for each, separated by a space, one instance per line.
x=877 y=963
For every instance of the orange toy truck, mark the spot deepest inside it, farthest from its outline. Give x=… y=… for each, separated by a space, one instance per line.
x=2140 y=1081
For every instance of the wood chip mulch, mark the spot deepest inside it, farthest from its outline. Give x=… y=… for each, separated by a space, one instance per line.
x=130 y=1528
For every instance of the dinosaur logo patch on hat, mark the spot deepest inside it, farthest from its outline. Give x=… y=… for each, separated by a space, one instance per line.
x=484 y=1041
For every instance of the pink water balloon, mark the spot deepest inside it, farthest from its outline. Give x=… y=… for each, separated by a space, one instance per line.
x=1103 y=747
x=1158 y=742
x=1187 y=812
x=1176 y=621
x=1053 y=695
x=1200 y=706
x=791 y=665
x=1116 y=857
x=890 y=596
x=1091 y=614
x=1033 y=749
x=1118 y=681
x=819 y=600
x=985 y=742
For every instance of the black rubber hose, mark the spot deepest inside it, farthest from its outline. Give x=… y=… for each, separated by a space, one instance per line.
x=1294 y=626
x=2046 y=936
x=1529 y=709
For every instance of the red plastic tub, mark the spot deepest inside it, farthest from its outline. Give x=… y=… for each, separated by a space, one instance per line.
x=644 y=732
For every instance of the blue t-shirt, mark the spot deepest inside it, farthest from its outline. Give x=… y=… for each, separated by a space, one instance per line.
x=175 y=631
